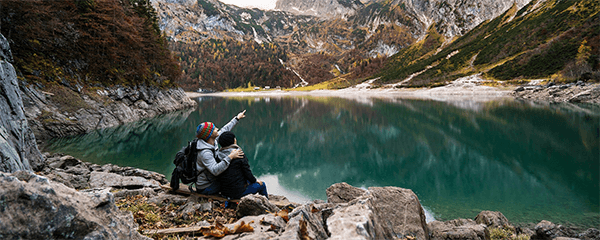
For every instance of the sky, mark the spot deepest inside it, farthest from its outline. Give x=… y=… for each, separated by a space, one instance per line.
x=262 y=4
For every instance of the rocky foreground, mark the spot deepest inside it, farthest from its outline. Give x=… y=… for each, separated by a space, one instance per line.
x=71 y=199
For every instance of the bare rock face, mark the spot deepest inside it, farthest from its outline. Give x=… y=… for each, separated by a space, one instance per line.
x=343 y=193
x=386 y=212
x=456 y=229
x=109 y=108
x=32 y=207
x=18 y=148
x=320 y=8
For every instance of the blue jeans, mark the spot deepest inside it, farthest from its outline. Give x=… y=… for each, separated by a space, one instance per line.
x=213 y=189
x=256 y=188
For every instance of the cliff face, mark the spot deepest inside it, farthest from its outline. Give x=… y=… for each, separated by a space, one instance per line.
x=451 y=17
x=49 y=116
x=320 y=8
x=18 y=148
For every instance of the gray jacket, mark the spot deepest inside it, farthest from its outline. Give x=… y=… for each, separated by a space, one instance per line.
x=205 y=161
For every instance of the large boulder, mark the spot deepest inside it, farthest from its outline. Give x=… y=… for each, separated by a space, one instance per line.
x=456 y=229
x=493 y=219
x=18 y=148
x=546 y=230
x=343 y=193
x=382 y=212
x=32 y=207
x=254 y=205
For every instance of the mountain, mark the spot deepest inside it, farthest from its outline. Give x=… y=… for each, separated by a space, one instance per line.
x=321 y=39
x=547 y=39
x=320 y=8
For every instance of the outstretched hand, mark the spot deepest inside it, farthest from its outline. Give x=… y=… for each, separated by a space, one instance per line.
x=241 y=115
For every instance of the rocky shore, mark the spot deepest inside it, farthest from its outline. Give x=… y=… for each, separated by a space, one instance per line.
x=470 y=88
x=106 y=107
x=580 y=92
x=70 y=198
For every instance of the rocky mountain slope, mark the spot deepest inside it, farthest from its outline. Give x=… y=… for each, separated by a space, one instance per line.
x=351 y=35
x=547 y=39
x=320 y=8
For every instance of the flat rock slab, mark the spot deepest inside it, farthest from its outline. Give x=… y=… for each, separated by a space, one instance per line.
x=104 y=179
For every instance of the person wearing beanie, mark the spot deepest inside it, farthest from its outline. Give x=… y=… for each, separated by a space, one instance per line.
x=237 y=180
x=206 y=163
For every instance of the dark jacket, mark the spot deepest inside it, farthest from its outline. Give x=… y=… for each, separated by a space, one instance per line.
x=234 y=179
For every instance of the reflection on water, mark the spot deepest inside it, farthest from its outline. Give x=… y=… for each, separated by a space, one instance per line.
x=531 y=162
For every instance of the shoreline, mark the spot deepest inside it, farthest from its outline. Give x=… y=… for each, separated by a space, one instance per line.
x=457 y=91
x=471 y=89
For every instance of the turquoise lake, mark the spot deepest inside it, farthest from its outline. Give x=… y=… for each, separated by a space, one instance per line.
x=531 y=162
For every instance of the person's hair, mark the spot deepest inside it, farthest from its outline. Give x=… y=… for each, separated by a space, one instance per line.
x=226 y=139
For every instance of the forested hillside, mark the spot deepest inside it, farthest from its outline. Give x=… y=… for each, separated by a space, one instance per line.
x=78 y=43
x=221 y=64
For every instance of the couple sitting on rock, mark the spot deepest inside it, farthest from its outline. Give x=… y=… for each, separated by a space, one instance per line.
x=224 y=170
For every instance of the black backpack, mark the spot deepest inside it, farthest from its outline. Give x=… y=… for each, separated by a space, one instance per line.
x=185 y=165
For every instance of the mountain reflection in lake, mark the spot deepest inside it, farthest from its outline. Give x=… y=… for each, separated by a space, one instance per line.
x=531 y=162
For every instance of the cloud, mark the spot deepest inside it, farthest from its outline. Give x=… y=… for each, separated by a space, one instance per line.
x=262 y=4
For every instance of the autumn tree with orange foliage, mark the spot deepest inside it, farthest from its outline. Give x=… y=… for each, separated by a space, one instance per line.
x=88 y=42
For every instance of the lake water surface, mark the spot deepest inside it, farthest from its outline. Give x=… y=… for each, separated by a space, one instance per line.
x=530 y=162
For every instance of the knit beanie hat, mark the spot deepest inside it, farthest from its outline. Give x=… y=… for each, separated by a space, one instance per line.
x=226 y=139
x=205 y=130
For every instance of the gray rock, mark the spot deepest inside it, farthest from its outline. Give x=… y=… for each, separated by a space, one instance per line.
x=590 y=234
x=492 y=219
x=388 y=212
x=68 y=179
x=519 y=89
x=547 y=230
x=104 y=180
x=42 y=209
x=5 y=53
x=254 y=205
x=456 y=229
x=355 y=221
x=18 y=148
x=343 y=193
x=305 y=222
x=112 y=107
x=62 y=161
